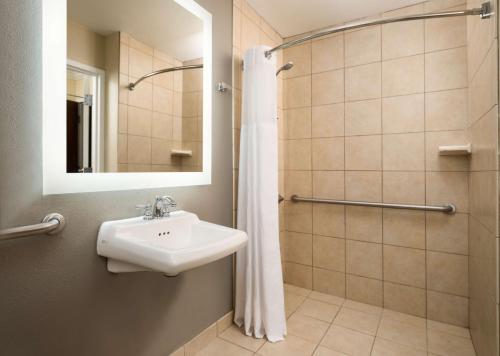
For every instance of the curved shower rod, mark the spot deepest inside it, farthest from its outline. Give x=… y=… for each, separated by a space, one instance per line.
x=132 y=86
x=484 y=12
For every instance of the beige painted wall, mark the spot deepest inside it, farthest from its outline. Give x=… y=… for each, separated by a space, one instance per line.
x=85 y=46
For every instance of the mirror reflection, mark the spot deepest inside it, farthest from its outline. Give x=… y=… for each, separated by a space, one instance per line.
x=134 y=94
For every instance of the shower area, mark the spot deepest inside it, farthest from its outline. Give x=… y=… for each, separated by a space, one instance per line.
x=385 y=114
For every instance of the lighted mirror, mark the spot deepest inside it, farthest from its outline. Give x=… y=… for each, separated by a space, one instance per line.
x=127 y=94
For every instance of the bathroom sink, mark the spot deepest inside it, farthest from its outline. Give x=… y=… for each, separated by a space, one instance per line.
x=170 y=245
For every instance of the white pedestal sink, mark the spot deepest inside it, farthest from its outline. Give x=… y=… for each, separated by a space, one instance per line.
x=169 y=245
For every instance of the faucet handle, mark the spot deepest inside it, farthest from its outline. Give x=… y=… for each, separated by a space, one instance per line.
x=147 y=210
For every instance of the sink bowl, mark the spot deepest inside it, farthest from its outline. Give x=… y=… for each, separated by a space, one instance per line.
x=170 y=245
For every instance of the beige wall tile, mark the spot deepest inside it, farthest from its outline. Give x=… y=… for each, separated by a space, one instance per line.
x=363 y=153
x=445 y=33
x=138 y=45
x=363 y=185
x=298 y=248
x=328 y=120
x=435 y=162
x=139 y=121
x=404 y=265
x=328 y=54
x=298 y=275
x=298 y=217
x=403 y=76
x=482 y=198
x=141 y=96
x=446 y=69
x=364 y=259
x=122 y=148
x=161 y=126
x=139 y=149
x=165 y=80
x=298 y=183
x=123 y=89
x=483 y=87
x=402 y=39
x=122 y=118
x=405 y=299
x=124 y=49
x=328 y=184
x=403 y=114
x=364 y=290
x=328 y=153
x=301 y=58
x=483 y=136
x=190 y=103
x=447 y=233
x=297 y=92
x=362 y=46
x=403 y=187
x=298 y=123
x=447 y=187
x=160 y=151
x=163 y=102
x=404 y=152
x=250 y=34
x=363 y=117
x=329 y=220
x=298 y=154
x=447 y=273
x=404 y=228
x=329 y=253
x=364 y=224
x=447 y=308
x=328 y=87
x=363 y=82
x=446 y=110
x=139 y=64
x=329 y=282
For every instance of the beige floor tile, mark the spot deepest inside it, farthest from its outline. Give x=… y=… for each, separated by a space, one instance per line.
x=348 y=341
x=448 y=345
x=318 y=310
x=323 y=351
x=404 y=318
x=237 y=336
x=297 y=290
x=292 y=302
x=327 y=298
x=306 y=327
x=402 y=333
x=357 y=320
x=384 y=347
x=291 y=346
x=220 y=347
x=448 y=328
x=366 y=308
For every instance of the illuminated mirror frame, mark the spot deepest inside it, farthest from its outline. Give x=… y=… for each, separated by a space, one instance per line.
x=55 y=178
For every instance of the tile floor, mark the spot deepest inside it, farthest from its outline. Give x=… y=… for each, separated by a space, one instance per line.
x=324 y=325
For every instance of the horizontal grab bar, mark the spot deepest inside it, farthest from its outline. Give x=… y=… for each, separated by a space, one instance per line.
x=448 y=208
x=50 y=225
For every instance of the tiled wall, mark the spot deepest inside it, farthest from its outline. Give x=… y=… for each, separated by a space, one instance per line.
x=482 y=57
x=365 y=112
x=151 y=116
x=250 y=30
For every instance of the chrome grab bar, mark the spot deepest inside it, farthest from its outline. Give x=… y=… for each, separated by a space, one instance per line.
x=448 y=208
x=51 y=224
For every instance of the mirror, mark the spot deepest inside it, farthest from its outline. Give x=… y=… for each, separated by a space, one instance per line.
x=134 y=94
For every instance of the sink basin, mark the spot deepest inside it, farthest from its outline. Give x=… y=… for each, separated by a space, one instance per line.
x=170 y=245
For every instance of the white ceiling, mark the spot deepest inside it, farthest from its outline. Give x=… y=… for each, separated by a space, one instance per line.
x=293 y=17
x=160 y=24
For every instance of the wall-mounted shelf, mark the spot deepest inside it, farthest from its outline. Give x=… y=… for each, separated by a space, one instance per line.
x=181 y=153
x=455 y=150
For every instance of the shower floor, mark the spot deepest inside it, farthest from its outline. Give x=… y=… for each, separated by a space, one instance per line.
x=324 y=325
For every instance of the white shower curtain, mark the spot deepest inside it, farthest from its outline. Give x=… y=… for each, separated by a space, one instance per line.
x=259 y=281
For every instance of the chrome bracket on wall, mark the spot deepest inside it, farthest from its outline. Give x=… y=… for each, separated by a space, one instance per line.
x=223 y=87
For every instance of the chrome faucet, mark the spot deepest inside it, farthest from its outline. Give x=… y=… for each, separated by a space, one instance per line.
x=161 y=208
